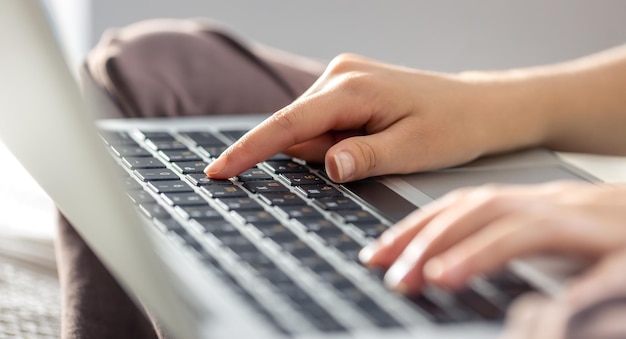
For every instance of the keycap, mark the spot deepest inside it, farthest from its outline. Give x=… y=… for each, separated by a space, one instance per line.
x=155 y=135
x=165 y=145
x=154 y=210
x=178 y=155
x=200 y=179
x=211 y=151
x=281 y=198
x=319 y=191
x=149 y=174
x=337 y=203
x=139 y=197
x=240 y=204
x=265 y=186
x=233 y=135
x=254 y=174
x=198 y=212
x=275 y=231
x=356 y=216
x=298 y=179
x=299 y=211
x=169 y=186
x=202 y=138
x=117 y=138
x=183 y=199
x=188 y=167
x=130 y=151
x=142 y=162
x=256 y=217
x=285 y=166
x=224 y=191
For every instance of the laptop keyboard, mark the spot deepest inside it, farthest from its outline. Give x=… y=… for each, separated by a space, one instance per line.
x=284 y=236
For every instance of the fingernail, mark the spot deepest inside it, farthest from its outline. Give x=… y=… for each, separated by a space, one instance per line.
x=395 y=276
x=345 y=165
x=366 y=254
x=215 y=167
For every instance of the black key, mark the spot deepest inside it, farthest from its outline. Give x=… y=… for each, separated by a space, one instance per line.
x=130 y=151
x=139 y=197
x=131 y=184
x=342 y=242
x=169 y=186
x=254 y=174
x=239 y=204
x=257 y=217
x=316 y=264
x=477 y=303
x=337 y=203
x=510 y=284
x=200 y=179
x=224 y=191
x=234 y=135
x=265 y=186
x=275 y=231
x=299 y=179
x=375 y=313
x=142 y=162
x=319 y=191
x=183 y=199
x=318 y=225
x=212 y=151
x=431 y=309
x=148 y=174
x=117 y=138
x=281 y=199
x=165 y=145
x=154 y=210
x=203 y=138
x=218 y=227
x=356 y=216
x=296 y=247
x=286 y=166
x=199 y=212
x=188 y=167
x=178 y=155
x=373 y=230
x=299 y=212
x=155 y=135
x=168 y=224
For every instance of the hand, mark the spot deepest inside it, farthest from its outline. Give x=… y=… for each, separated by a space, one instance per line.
x=477 y=230
x=593 y=306
x=366 y=118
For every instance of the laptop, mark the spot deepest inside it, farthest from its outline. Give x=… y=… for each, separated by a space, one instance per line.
x=268 y=254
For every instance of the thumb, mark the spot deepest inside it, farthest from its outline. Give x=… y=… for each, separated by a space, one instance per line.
x=364 y=156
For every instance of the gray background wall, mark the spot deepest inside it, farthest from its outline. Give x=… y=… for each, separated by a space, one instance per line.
x=439 y=35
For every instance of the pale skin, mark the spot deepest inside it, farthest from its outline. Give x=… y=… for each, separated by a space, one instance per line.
x=365 y=118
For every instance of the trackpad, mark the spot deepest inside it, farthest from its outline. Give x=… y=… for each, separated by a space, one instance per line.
x=436 y=184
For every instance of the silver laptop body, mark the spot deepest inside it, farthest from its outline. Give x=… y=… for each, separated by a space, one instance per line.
x=45 y=123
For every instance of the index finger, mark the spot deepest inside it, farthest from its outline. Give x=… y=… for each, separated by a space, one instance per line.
x=302 y=120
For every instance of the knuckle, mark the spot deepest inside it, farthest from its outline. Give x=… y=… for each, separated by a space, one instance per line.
x=368 y=156
x=287 y=122
x=344 y=63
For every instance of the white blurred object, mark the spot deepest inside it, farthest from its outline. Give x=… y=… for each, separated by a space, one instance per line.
x=73 y=23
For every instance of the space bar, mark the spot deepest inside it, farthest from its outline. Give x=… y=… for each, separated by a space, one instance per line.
x=382 y=199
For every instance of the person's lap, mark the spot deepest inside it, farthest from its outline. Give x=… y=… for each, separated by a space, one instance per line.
x=163 y=69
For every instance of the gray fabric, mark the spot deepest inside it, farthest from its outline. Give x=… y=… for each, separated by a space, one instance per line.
x=167 y=68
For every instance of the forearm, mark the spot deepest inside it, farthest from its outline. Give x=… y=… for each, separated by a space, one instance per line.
x=574 y=106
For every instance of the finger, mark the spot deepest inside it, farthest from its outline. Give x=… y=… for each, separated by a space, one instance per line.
x=465 y=214
x=392 y=150
x=392 y=242
x=608 y=273
x=302 y=120
x=315 y=149
x=521 y=320
x=490 y=248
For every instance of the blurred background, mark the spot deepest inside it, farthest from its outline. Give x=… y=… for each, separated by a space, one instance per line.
x=440 y=35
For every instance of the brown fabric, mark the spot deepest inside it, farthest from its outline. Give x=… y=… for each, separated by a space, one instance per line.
x=167 y=68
